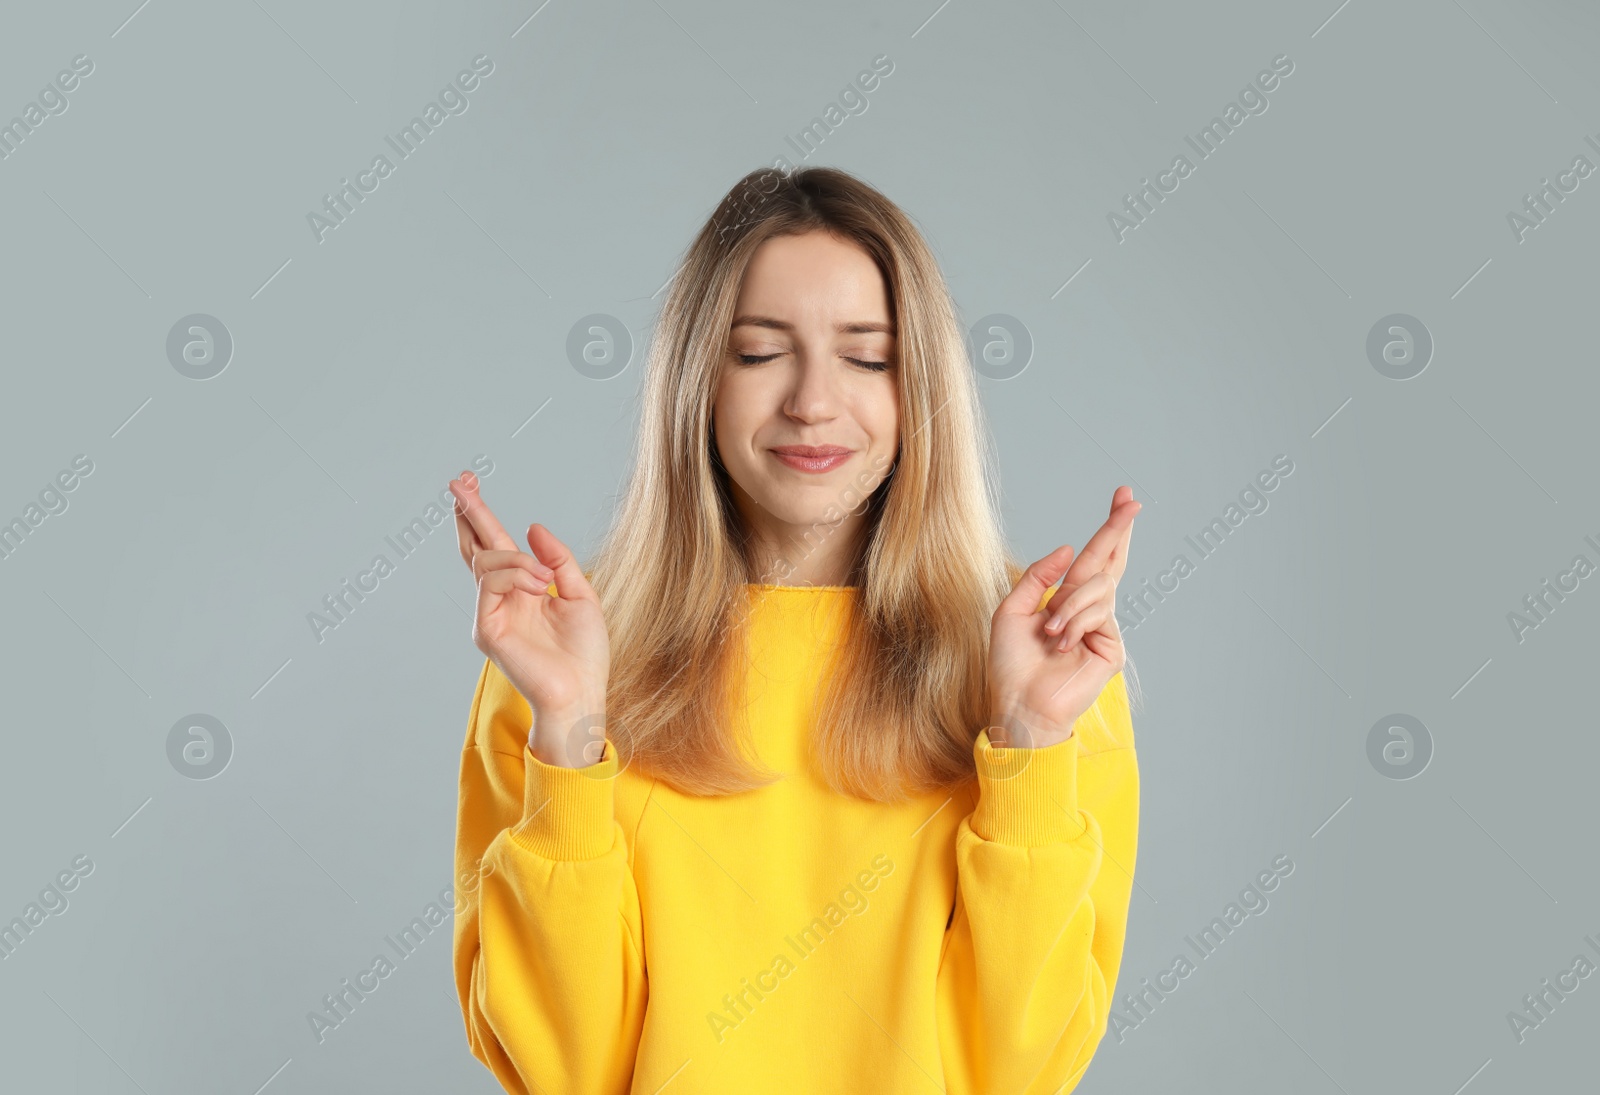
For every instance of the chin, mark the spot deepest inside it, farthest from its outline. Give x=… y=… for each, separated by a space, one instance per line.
x=786 y=508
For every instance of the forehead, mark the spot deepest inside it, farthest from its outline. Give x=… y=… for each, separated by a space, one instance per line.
x=816 y=281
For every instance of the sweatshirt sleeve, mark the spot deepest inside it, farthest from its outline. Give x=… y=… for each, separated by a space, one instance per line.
x=548 y=957
x=1043 y=874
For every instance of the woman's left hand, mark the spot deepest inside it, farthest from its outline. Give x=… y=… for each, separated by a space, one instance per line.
x=1047 y=666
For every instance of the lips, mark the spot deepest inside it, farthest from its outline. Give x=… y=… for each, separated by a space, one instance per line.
x=812 y=458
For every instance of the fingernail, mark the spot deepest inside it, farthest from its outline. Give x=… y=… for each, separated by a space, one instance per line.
x=1053 y=624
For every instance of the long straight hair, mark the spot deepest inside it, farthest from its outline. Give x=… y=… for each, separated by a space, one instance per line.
x=906 y=701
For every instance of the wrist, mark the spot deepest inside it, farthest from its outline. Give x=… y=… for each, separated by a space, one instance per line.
x=571 y=738
x=1012 y=726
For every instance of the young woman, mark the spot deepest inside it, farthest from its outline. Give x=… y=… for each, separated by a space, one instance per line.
x=804 y=785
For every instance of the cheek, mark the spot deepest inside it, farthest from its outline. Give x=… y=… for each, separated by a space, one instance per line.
x=884 y=416
x=736 y=414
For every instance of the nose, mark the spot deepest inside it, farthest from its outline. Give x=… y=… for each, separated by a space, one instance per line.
x=814 y=394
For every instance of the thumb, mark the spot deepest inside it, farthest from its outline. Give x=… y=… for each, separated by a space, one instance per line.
x=1040 y=576
x=571 y=585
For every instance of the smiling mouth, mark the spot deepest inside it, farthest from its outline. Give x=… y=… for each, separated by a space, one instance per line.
x=812 y=458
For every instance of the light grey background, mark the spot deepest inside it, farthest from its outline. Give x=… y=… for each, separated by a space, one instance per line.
x=431 y=327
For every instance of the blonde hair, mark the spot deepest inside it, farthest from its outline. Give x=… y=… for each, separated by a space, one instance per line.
x=907 y=699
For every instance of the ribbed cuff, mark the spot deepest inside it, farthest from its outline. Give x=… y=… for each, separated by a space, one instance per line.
x=1027 y=797
x=568 y=813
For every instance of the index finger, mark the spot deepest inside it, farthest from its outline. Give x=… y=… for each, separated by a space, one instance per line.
x=1107 y=550
x=485 y=525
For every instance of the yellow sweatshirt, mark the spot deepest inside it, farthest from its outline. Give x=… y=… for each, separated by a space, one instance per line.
x=614 y=936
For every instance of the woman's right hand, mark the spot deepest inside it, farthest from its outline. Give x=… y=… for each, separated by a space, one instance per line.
x=554 y=650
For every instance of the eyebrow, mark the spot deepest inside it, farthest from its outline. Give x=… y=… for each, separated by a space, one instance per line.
x=859 y=327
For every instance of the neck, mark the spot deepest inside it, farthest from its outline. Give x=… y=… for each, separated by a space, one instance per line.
x=811 y=555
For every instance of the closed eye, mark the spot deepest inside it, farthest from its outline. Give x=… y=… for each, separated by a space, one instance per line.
x=757 y=359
